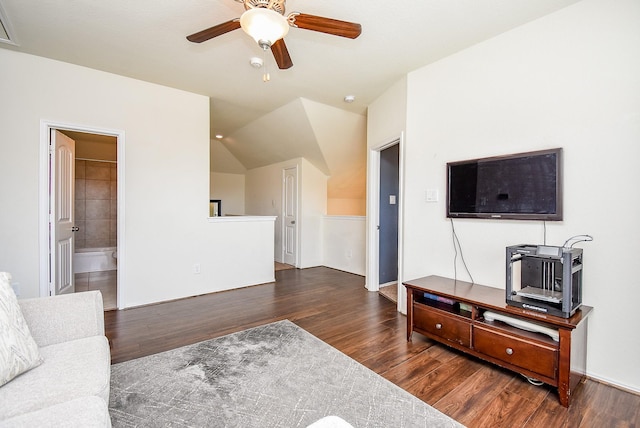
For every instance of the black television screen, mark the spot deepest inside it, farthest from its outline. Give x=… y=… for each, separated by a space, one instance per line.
x=525 y=186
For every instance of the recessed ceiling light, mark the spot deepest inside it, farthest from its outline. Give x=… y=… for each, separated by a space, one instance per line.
x=349 y=98
x=219 y=136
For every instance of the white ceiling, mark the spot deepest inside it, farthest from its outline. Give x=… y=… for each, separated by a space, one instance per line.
x=145 y=39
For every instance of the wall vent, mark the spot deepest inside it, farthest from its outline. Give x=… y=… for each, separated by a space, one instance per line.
x=6 y=35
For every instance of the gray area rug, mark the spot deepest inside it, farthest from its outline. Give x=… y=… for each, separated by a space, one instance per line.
x=276 y=375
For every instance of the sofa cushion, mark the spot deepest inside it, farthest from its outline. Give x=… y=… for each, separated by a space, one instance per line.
x=18 y=350
x=70 y=370
x=85 y=412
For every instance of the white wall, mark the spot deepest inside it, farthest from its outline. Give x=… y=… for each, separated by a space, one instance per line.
x=166 y=185
x=229 y=188
x=313 y=194
x=342 y=138
x=344 y=243
x=387 y=115
x=571 y=80
x=264 y=197
x=346 y=207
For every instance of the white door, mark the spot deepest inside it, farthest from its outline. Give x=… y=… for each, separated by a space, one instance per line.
x=290 y=216
x=61 y=213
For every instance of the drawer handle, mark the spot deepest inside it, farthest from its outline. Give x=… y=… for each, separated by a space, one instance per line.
x=509 y=351
x=438 y=326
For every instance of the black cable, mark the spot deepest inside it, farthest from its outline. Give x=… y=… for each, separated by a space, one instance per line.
x=464 y=263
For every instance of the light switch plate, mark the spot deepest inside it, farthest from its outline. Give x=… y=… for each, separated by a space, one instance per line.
x=431 y=195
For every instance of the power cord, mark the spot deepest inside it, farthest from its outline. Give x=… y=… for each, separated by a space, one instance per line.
x=455 y=252
x=577 y=238
x=456 y=245
x=533 y=381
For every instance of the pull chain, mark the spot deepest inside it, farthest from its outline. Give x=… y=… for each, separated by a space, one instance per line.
x=265 y=77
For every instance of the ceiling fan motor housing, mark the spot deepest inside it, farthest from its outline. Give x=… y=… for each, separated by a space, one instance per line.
x=275 y=5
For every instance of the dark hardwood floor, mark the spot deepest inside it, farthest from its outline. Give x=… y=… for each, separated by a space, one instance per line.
x=336 y=307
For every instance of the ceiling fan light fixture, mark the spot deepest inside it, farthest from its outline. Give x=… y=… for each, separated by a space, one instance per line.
x=264 y=25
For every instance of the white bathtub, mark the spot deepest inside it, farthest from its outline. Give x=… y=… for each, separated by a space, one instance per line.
x=95 y=259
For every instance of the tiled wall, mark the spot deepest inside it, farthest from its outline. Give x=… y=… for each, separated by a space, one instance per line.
x=96 y=204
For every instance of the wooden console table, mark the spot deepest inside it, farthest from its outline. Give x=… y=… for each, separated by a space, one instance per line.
x=452 y=312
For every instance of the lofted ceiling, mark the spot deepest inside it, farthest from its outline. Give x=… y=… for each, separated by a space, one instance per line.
x=146 y=39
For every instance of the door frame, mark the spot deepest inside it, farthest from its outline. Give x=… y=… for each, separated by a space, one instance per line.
x=373 y=210
x=45 y=131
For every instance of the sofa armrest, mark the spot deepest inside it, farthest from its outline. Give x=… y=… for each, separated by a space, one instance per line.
x=66 y=317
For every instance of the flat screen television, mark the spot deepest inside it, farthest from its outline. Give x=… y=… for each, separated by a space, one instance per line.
x=522 y=186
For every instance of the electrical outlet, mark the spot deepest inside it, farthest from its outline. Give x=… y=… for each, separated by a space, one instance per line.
x=196 y=268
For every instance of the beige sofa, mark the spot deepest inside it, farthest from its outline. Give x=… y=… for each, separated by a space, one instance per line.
x=71 y=386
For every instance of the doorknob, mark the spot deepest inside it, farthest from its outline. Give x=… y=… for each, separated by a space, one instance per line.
x=75 y=229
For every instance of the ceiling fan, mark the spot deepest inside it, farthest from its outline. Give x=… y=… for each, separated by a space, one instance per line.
x=265 y=21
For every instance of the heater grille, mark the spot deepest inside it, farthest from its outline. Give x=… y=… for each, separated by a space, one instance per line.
x=5 y=29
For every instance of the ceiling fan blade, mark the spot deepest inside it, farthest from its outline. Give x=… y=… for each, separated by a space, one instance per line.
x=335 y=27
x=218 y=30
x=281 y=54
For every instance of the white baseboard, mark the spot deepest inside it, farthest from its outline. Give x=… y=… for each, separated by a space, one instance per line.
x=615 y=384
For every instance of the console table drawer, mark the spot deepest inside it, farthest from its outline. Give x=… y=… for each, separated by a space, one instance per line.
x=536 y=357
x=440 y=324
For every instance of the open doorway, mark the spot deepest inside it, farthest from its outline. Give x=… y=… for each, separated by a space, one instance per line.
x=384 y=228
x=388 y=221
x=95 y=260
x=84 y=190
